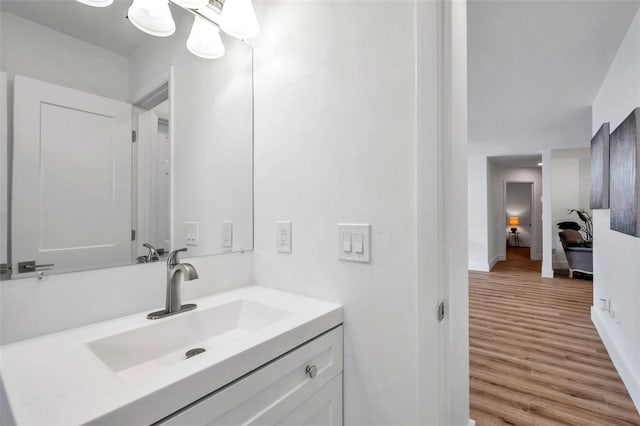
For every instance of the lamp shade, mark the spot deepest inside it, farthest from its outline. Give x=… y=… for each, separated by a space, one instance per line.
x=152 y=17
x=96 y=3
x=204 y=40
x=238 y=19
x=191 y=4
x=514 y=221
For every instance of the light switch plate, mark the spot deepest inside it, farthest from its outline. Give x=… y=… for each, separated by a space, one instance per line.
x=354 y=242
x=283 y=236
x=227 y=234
x=191 y=233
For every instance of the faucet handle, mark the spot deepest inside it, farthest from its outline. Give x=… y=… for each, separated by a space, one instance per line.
x=173 y=260
x=152 y=255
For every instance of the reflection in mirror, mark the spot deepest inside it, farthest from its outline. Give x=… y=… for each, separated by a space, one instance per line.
x=119 y=146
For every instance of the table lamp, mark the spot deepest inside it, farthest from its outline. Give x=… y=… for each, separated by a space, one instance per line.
x=514 y=222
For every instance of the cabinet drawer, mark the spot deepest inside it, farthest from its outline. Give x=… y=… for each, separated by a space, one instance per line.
x=270 y=393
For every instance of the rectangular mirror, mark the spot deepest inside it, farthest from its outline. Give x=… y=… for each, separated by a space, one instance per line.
x=119 y=146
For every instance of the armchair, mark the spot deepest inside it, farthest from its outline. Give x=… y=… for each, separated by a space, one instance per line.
x=580 y=258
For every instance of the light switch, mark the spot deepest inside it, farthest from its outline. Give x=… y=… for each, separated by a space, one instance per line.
x=354 y=242
x=346 y=242
x=191 y=233
x=227 y=234
x=358 y=242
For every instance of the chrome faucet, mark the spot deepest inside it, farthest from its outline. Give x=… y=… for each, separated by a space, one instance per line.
x=152 y=255
x=174 y=270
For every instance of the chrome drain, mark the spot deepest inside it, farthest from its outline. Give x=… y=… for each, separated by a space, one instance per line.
x=194 y=352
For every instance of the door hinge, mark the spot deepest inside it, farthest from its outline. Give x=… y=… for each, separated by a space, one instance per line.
x=134 y=136
x=133 y=235
x=441 y=310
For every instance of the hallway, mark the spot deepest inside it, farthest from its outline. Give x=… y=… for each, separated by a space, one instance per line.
x=535 y=356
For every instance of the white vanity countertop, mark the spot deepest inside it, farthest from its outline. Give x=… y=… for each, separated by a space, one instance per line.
x=58 y=379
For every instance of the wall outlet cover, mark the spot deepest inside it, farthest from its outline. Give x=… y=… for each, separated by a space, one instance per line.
x=191 y=233
x=227 y=234
x=283 y=236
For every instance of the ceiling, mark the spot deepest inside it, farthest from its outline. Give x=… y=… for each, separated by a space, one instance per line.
x=106 y=27
x=535 y=68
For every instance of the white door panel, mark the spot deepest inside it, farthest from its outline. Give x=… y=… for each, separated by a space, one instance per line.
x=4 y=188
x=72 y=178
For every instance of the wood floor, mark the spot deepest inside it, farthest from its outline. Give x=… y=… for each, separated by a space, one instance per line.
x=535 y=356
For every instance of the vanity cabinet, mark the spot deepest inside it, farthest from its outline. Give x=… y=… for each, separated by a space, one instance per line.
x=300 y=387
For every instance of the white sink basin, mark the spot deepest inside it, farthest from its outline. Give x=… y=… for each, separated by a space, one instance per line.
x=136 y=368
x=165 y=341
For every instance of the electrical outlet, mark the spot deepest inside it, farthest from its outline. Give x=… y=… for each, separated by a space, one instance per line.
x=227 y=234
x=191 y=233
x=283 y=236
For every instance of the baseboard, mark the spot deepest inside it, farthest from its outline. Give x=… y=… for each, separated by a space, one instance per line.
x=479 y=267
x=496 y=259
x=630 y=380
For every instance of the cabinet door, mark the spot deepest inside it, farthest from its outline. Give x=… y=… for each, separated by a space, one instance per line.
x=324 y=408
x=273 y=393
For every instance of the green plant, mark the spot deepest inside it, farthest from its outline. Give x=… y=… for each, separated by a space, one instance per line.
x=587 y=226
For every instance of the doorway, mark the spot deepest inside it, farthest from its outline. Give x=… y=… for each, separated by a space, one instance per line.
x=518 y=212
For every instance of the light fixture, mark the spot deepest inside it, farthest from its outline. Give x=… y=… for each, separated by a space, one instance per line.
x=514 y=222
x=191 y=4
x=235 y=17
x=152 y=17
x=238 y=19
x=204 y=40
x=539 y=164
x=96 y=3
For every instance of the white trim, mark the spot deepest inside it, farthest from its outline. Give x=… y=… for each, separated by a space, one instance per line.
x=630 y=380
x=480 y=267
x=497 y=258
x=472 y=422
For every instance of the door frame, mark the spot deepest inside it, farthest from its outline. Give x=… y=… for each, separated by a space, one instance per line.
x=534 y=212
x=154 y=96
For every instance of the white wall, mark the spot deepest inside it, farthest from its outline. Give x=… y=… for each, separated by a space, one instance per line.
x=336 y=142
x=481 y=237
x=35 y=51
x=519 y=199
x=497 y=209
x=615 y=255
x=211 y=134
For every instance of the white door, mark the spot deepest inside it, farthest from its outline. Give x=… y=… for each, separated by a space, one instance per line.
x=71 y=178
x=153 y=182
x=4 y=176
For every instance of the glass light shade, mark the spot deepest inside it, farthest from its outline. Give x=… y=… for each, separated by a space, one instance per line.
x=152 y=17
x=191 y=4
x=238 y=19
x=514 y=221
x=96 y=3
x=204 y=40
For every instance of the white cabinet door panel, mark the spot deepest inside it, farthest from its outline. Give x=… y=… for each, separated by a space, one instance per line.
x=323 y=408
x=273 y=393
x=71 y=178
